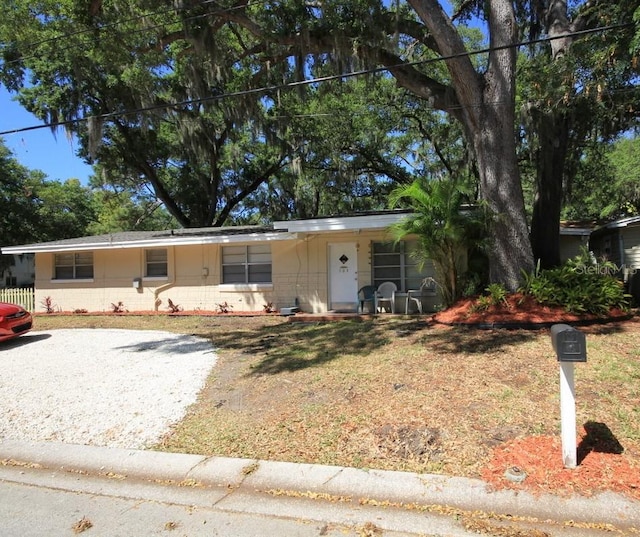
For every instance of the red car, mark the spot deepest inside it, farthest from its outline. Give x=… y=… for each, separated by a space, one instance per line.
x=14 y=321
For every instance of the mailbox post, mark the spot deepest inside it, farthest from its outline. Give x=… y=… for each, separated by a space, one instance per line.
x=571 y=347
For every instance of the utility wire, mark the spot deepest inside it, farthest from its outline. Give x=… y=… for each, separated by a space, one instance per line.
x=318 y=80
x=61 y=37
x=64 y=36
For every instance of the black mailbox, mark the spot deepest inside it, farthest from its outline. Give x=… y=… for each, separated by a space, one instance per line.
x=569 y=343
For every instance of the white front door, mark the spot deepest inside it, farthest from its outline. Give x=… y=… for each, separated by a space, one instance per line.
x=343 y=276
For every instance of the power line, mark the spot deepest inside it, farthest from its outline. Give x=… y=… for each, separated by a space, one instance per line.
x=318 y=80
x=61 y=37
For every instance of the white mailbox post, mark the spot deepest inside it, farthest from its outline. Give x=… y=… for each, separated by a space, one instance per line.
x=571 y=347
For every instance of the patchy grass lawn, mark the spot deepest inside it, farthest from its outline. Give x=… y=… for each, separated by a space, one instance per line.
x=392 y=393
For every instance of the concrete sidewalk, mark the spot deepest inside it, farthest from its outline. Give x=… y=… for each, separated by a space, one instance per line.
x=394 y=495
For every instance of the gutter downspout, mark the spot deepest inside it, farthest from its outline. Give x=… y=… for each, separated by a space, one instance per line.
x=621 y=247
x=623 y=268
x=168 y=285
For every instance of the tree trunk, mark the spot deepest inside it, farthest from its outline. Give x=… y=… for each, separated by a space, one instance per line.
x=487 y=111
x=510 y=249
x=494 y=141
x=552 y=132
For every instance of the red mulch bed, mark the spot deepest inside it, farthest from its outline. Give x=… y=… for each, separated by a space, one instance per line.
x=601 y=466
x=540 y=457
x=183 y=313
x=518 y=310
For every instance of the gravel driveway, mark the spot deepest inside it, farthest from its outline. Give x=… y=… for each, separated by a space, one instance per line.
x=121 y=388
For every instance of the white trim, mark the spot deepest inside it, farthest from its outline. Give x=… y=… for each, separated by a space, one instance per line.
x=623 y=222
x=244 y=287
x=150 y=243
x=67 y=280
x=348 y=223
x=568 y=231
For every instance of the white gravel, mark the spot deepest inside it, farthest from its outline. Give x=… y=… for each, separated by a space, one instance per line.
x=120 y=388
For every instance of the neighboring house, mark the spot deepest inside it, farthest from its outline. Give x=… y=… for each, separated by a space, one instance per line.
x=19 y=273
x=619 y=242
x=574 y=236
x=317 y=265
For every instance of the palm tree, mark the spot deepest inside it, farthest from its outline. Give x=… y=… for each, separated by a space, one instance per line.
x=446 y=225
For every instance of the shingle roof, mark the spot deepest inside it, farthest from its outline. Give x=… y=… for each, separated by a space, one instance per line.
x=129 y=239
x=207 y=235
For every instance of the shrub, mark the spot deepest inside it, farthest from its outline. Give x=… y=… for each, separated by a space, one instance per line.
x=47 y=303
x=497 y=293
x=483 y=303
x=118 y=308
x=581 y=285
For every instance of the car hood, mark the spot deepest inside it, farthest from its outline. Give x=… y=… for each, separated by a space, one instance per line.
x=9 y=309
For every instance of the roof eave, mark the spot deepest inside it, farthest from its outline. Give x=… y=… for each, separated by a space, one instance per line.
x=148 y=243
x=347 y=223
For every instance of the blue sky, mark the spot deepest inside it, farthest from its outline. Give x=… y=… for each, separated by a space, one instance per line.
x=40 y=149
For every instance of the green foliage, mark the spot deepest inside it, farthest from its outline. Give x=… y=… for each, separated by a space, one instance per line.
x=445 y=228
x=607 y=182
x=592 y=193
x=34 y=209
x=483 y=303
x=581 y=285
x=497 y=293
x=496 y=296
x=574 y=102
x=625 y=160
x=337 y=167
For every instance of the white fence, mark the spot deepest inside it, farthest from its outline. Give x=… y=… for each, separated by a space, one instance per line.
x=24 y=296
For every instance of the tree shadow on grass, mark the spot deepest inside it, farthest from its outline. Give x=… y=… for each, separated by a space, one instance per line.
x=460 y=340
x=304 y=346
x=473 y=340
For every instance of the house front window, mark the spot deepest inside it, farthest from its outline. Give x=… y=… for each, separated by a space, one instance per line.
x=394 y=263
x=246 y=264
x=155 y=263
x=74 y=266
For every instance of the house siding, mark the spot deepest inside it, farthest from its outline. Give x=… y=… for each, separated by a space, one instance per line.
x=631 y=242
x=20 y=273
x=607 y=246
x=300 y=276
x=571 y=246
x=621 y=245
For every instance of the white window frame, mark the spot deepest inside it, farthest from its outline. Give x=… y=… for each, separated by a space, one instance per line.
x=246 y=257
x=408 y=275
x=159 y=262
x=78 y=262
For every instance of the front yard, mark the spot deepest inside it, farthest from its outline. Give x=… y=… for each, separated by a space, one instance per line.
x=401 y=393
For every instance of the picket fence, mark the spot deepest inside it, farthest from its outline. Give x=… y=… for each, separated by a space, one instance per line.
x=24 y=296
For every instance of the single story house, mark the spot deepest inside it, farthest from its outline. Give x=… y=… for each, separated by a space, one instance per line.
x=316 y=265
x=18 y=272
x=619 y=242
x=574 y=236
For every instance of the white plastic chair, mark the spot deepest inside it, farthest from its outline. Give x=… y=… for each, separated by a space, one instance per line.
x=386 y=294
x=427 y=288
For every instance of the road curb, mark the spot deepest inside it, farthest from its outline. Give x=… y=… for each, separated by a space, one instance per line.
x=408 y=489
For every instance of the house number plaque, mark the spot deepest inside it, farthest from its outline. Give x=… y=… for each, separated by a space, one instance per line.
x=343 y=259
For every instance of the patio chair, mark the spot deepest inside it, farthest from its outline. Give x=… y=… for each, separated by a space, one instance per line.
x=427 y=288
x=367 y=295
x=386 y=295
